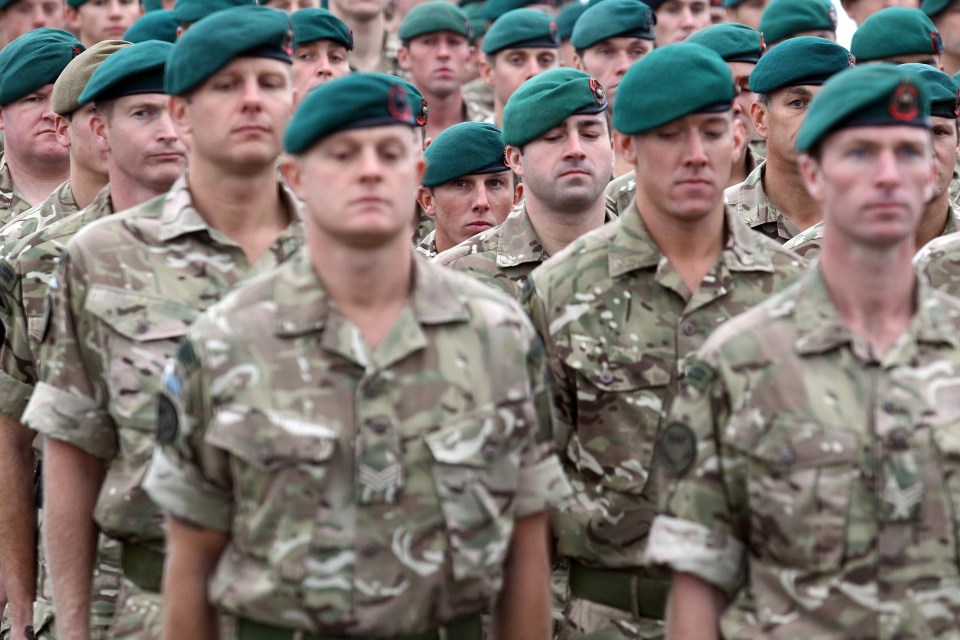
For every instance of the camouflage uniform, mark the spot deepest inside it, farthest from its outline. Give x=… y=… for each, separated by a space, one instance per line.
x=428 y=246
x=808 y=242
x=478 y=92
x=388 y=514
x=59 y=204
x=503 y=256
x=756 y=210
x=475 y=110
x=814 y=482
x=12 y=202
x=618 y=323
x=388 y=57
x=126 y=290
x=938 y=262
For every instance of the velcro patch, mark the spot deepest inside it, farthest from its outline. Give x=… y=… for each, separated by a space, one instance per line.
x=677 y=449
x=699 y=375
x=168 y=420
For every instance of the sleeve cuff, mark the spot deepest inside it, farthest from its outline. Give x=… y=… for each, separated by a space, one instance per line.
x=14 y=395
x=688 y=547
x=541 y=485
x=74 y=419
x=180 y=493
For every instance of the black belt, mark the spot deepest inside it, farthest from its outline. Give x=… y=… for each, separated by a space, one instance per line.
x=624 y=590
x=466 y=629
x=142 y=566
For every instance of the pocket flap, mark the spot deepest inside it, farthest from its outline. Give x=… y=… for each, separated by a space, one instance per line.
x=948 y=441
x=473 y=442
x=618 y=368
x=805 y=443
x=139 y=317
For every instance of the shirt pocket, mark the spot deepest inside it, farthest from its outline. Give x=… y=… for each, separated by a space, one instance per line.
x=947 y=440
x=799 y=485
x=475 y=467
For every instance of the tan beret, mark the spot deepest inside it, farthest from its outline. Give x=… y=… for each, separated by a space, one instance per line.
x=74 y=78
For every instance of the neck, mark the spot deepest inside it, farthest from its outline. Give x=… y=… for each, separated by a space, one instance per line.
x=785 y=190
x=621 y=166
x=85 y=184
x=367 y=42
x=934 y=220
x=950 y=62
x=684 y=241
x=234 y=204
x=740 y=169
x=497 y=112
x=126 y=193
x=35 y=179
x=557 y=229
x=445 y=111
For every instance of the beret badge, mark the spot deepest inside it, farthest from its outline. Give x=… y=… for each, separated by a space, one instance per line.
x=599 y=93
x=936 y=42
x=554 y=33
x=423 y=114
x=905 y=103
x=956 y=106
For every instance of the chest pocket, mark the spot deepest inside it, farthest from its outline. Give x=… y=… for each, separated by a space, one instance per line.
x=799 y=485
x=947 y=440
x=619 y=402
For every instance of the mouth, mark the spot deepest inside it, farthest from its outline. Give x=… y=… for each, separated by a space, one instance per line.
x=167 y=157
x=575 y=172
x=252 y=128
x=479 y=225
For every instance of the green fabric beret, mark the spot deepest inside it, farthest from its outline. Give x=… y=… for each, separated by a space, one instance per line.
x=465 y=149
x=797 y=61
x=311 y=25
x=868 y=96
x=152 y=5
x=433 y=17
x=733 y=41
x=135 y=70
x=522 y=28
x=546 y=100
x=567 y=19
x=35 y=60
x=75 y=77
x=611 y=19
x=76 y=3
x=188 y=11
x=478 y=24
x=943 y=89
x=357 y=101
x=699 y=80
x=785 y=18
x=210 y=44
x=732 y=3
x=895 y=31
x=933 y=7
x=493 y=9
x=156 y=25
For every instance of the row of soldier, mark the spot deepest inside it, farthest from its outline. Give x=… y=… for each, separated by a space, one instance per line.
x=357 y=443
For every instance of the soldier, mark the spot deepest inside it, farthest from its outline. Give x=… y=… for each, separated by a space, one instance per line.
x=101 y=20
x=718 y=15
x=321 y=45
x=773 y=199
x=808 y=465
x=566 y=21
x=619 y=311
x=467 y=187
x=375 y=48
x=558 y=142
x=677 y=19
x=435 y=51
x=18 y=17
x=291 y=6
x=746 y=12
x=519 y=45
x=34 y=162
x=783 y=19
x=431 y=484
x=898 y=35
x=126 y=290
x=154 y=25
x=946 y=17
x=860 y=10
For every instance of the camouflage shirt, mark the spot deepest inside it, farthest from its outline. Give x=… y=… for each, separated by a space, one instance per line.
x=12 y=202
x=479 y=93
x=618 y=322
x=389 y=513
x=753 y=207
x=127 y=288
x=503 y=256
x=809 y=241
x=59 y=204
x=428 y=246
x=815 y=482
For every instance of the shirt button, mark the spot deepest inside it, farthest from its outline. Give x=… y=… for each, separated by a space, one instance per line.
x=606 y=377
x=689 y=328
x=889 y=407
x=489 y=451
x=369 y=550
x=142 y=326
x=787 y=457
x=371 y=389
x=899 y=442
x=379 y=425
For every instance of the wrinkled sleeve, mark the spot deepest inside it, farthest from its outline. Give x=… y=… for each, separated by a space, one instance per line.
x=17 y=373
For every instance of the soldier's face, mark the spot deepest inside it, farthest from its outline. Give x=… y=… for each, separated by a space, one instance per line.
x=684 y=165
x=677 y=19
x=29 y=127
x=513 y=67
x=568 y=167
x=948 y=23
x=930 y=59
x=860 y=10
x=77 y=132
x=744 y=101
x=748 y=13
x=944 y=132
x=316 y=63
x=779 y=122
x=26 y=15
x=718 y=15
x=469 y=205
x=142 y=143
x=437 y=62
x=237 y=117
x=98 y=20
x=609 y=60
x=376 y=172
x=292 y=5
x=872 y=184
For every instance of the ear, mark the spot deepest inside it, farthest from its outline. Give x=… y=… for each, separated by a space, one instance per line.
x=739 y=138
x=71 y=17
x=758 y=112
x=518 y=194
x=98 y=124
x=471 y=55
x=291 y=169
x=514 y=159
x=62 y=126
x=421 y=169
x=178 y=114
x=578 y=63
x=403 y=58
x=1 y=116
x=426 y=201
x=625 y=147
x=810 y=172
x=486 y=71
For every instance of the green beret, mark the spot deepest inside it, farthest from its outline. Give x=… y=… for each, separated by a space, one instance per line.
x=433 y=17
x=136 y=70
x=211 y=44
x=699 y=80
x=868 y=96
x=357 y=101
x=69 y=87
x=520 y=29
x=311 y=25
x=465 y=149
x=189 y=11
x=933 y=7
x=611 y=19
x=76 y=3
x=546 y=100
x=493 y=9
x=797 y=61
x=733 y=41
x=157 y=25
x=152 y=5
x=733 y=3
x=943 y=89
x=785 y=18
x=567 y=19
x=896 y=31
x=478 y=24
x=35 y=60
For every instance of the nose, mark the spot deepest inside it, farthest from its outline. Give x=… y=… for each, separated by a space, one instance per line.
x=696 y=153
x=166 y=132
x=371 y=169
x=574 y=148
x=39 y=17
x=252 y=95
x=482 y=202
x=888 y=171
x=323 y=67
x=623 y=63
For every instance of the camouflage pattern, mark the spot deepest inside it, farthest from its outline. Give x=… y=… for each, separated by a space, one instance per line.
x=59 y=204
x=425 y=226
x=428 y=246
x=619 y=323
x=808 y=242
x=475 y=110
x=756 y=210
x=388 y=58
x=388 y=514
x=479 y=93
x=504 y=256
x=12 y=202
x=126 y=290
x=814 y=481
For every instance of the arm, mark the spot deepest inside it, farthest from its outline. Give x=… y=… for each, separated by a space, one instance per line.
x=693 y=609
x=73 y=481
x=192 y=555
x=523 y=609
x=18 y=520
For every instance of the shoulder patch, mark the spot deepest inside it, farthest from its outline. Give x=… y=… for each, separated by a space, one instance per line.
x=677 y=449
x=699 y=375
x=168 y=421
x=8 y=275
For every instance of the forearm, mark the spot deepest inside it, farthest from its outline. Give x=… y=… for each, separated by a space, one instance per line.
x=192 y=555
x=18 y=520
x=73 y=480
x=523 y=608
x=693 y=609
